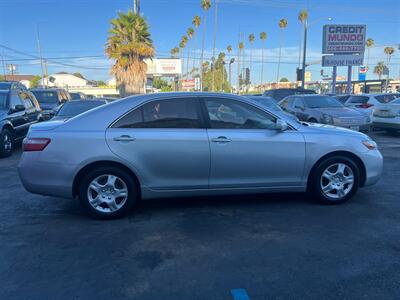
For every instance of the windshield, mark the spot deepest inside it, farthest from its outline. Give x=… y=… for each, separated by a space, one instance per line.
x=46 y=97
x=3 y=101
x=71 y=109
x=321 y=102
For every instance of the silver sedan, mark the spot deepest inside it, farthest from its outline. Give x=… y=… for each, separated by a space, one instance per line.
x=186 y=144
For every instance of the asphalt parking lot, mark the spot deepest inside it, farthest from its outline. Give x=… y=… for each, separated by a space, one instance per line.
x=273 y=246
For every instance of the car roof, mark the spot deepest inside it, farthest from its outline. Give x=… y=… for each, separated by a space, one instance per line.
x=96 y=101
x=46 y=90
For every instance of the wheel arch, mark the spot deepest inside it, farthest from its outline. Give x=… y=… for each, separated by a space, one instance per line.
x=347 y=154
x=6 y=125
x=102 y=163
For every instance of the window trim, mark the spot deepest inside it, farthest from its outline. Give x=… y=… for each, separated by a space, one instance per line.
x=200 y=116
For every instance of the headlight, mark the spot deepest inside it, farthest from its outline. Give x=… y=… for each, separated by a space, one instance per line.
x=327 y=119
x=371 y=145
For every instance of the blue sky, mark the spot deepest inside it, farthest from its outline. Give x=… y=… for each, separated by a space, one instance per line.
x=75 y=28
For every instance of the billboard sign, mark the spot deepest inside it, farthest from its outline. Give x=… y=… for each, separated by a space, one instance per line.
x=343 y=39
x=342 y=60
x=188 y=84
x=164 y=66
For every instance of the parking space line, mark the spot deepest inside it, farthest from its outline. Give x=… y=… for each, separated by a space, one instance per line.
x=239 y=294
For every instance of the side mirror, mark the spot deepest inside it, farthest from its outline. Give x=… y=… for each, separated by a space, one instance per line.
x=17 y=108
x=281 y=125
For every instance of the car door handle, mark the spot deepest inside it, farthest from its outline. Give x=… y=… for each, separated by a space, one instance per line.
x=221 y=139
x=124 y=138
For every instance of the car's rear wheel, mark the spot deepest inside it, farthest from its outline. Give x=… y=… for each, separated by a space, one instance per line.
x=107 y=192
x=312 y=120
x=6 y=143
x=335 y=180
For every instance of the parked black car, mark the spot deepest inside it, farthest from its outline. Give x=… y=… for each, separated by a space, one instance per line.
x=77 y=96
x=18 y=110
x=325 y=110
x=50 y=99
x=279 y=94
x=71 y=109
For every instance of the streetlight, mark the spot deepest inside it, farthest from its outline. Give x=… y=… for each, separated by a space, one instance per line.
x=303 y=68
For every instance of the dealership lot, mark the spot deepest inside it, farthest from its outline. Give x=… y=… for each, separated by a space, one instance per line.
x=273 y=246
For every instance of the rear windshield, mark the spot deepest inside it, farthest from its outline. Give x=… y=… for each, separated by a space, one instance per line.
x=280 y=94
x=5 y=86
x=71 y=109
x=3 y=101
x=386 y=98
x=358 y=99
x=321 y=102
x=46 y=97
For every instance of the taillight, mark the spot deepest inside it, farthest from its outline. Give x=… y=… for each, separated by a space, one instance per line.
x=365 y=105
x=35 y=144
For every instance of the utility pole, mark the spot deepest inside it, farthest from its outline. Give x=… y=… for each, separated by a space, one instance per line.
x=4 y=66
x=40 y=52
x=215 y=40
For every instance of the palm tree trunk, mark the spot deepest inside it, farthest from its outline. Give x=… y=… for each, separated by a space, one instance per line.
x=262 y=63
x=202 y=51
x=279 y=58
x=238 y=67
x=251 y=62
x=187 y=62
x=195 y=50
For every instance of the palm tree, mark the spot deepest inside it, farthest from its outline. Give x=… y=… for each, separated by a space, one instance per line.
x=251 y=41
x=263 y=38
x=241 y=47
x=389 y=52
x=129 y=44
x=229 y=49
x=205 y=5
x=282 y=25
x=379 y=69
x=196 y=23
x=174 y=52
x=303 y=17
x=369 y=44
x=190 y=33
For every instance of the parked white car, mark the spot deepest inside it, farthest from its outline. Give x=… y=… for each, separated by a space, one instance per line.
x=366 y=102
x=387 y=116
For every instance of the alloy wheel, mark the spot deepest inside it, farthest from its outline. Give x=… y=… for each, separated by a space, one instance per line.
x=7 y=142
x=107 y=193
x=337 y=181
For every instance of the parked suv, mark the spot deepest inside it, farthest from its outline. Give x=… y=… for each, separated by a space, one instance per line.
x=50 y=99
x=326 y=110
x=18 y=110
x=279 y=94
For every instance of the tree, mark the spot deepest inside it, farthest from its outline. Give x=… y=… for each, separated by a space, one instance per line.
x=251 y=41
x=389 y=52
x=174 y=52
x=379 y=69
x=101 y=83
x=196 y=23
x=263 y=38
x=34 y=81
x=190 y=33
x=284 y=79
x=77 y=74
x=220 y=74
x=182 y=46
x=282 y=25
x=161 y=84
x=240 y=50
x=205 y=5
x=129 y=44
x=369 y=44
x=302 y=17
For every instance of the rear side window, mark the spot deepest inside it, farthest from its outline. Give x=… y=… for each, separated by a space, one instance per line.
x=385 y=98
x=358 y=99
x=46 y=97
x=171 y=113
x=26 y=100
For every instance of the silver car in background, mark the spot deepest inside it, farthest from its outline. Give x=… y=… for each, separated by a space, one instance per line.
x=189 y=144
x=387 y=116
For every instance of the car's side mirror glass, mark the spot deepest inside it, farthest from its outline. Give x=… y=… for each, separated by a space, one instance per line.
x=17 y=108
x=281 y=125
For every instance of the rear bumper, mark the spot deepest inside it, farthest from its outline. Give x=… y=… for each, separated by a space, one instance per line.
x=373 y=162
x=43 y=178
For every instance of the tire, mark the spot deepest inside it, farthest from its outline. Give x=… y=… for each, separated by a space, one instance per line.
x=312 y=120
x=6 y=143
x=104 y=194
x=339 y=188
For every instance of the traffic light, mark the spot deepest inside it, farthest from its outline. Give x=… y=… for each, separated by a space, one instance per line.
x=299 y=74
x=247 y=78
x=322 y=73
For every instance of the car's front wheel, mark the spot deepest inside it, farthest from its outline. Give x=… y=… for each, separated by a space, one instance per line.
x=6 y=143
x=107 y=192
x=335 y=180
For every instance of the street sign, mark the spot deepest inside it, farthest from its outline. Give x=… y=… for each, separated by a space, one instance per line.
x=343 y=39
x=188 y=84
x=342 y=60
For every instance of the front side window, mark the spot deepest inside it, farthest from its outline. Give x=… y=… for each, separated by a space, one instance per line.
x=170 y=113
x=298 y=103
x=26 y=100
x=3 y=101
x=230 y=114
